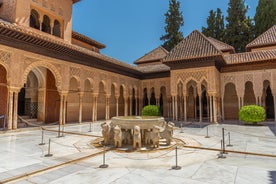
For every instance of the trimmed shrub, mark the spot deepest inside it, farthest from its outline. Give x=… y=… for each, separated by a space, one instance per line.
x=151 y=110
x=252 y=114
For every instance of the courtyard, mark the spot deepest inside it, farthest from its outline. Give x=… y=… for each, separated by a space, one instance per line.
x=76 y=158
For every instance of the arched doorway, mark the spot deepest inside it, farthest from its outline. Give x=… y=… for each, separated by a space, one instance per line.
x=163 y=102
x=87 y=101
x=3 y=96
x=73 y=101
x=39 y=98
x=152 y=97
x=121 y=102
x=204 y=101
x=133 y=102
x=145 y=97
x=231 y=103
x=180 y=101
x=112 y=102
x=249 y=96
x=101 y=102
x=268 y=100
x=192 y=99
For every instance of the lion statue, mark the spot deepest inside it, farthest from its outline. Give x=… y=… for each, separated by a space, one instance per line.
x=167 y=133
x=117 y=136
x=137 y=137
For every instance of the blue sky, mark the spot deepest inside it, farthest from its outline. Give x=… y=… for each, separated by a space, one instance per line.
x=131 y=28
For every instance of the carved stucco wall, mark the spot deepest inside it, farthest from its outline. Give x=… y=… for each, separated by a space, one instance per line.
x=210 y=75
x=257 y=78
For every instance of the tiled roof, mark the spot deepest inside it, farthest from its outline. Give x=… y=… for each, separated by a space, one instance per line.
x=154 y=68
x=87 y=40
x=249 y=57
x=196 y=45
x=268 y=38
x=224 y=47
x=156 y=54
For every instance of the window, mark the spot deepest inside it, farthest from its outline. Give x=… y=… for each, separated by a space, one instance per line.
x=56 y=29
x=46 y=24
x=34 y=19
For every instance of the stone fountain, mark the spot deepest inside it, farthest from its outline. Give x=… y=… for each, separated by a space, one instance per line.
x=136 y=131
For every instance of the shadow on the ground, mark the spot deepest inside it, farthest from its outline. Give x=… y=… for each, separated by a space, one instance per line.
x=272 y=177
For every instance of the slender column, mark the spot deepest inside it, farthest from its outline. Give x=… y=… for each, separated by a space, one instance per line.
x=222 y=108
x=130 y=105
x=64 y=108
x=126 y=107
x=173 y=106
x=215 y=109
x=185 y=107
x=117 y=105
x=136 y=105
x=176 y=108
x=274 y=99
x=9 y=126
x=195 y=113
x=15 y=106
x=107 y=107
x=239 y=102
x=211 y=109
x=94 y=107
x=200 y=108
x=80 y=106
x=61 y=109
x=242 y=101
x=208 y=110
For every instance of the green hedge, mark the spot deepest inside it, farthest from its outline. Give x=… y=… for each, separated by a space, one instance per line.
x=252 y=114
x=151 y=110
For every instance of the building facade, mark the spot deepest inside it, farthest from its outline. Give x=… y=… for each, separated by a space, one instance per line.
x=53 y=74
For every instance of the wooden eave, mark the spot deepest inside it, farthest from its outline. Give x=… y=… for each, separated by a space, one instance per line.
x=66 y=52
x=87 y=40
x=260 y=65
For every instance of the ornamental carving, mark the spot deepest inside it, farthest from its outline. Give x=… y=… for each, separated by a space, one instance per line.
x=229 y=79
x=75 y=72
x=266 y=76
x=28 y=61
x=5 y=57
x=196 y=75
x=248 y=77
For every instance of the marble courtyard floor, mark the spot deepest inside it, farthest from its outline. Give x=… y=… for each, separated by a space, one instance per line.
x=76 y=157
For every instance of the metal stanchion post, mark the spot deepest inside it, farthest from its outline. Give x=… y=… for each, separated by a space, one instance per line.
x=103 y=165
x=58 y=130
x=220 y=155
x=89 y=127
x=223 y=141
x=62 y=135
x=229 y=144
x=49 y=154
x=207 y=136
x=42 y=138
x=181 y=128
x=176 y=167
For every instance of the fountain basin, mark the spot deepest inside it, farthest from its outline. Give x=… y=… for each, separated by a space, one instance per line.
x=144 y=122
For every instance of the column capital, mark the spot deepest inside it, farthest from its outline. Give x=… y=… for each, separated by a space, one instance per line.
x=95 y=94
x=14 y=89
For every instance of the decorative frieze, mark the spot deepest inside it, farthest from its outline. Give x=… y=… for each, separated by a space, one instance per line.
x=75 y=71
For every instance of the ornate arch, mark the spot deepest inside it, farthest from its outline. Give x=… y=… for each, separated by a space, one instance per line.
x=49 y=66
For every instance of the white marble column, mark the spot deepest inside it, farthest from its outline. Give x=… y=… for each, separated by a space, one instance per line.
x=64 y=108
x=215 y=109
x=173 y=108
x=222 y=108
x=126 y=105
x=211 y=109
x=176 y=108
x=80 y=106
x=185 y=107
x=200 y=108
x=61 y=109
x=130 y=105
x=15 y=107
x=136 y=105
x=107 y=107
x=117 y=105
x=10 y=105
x=95 y=106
